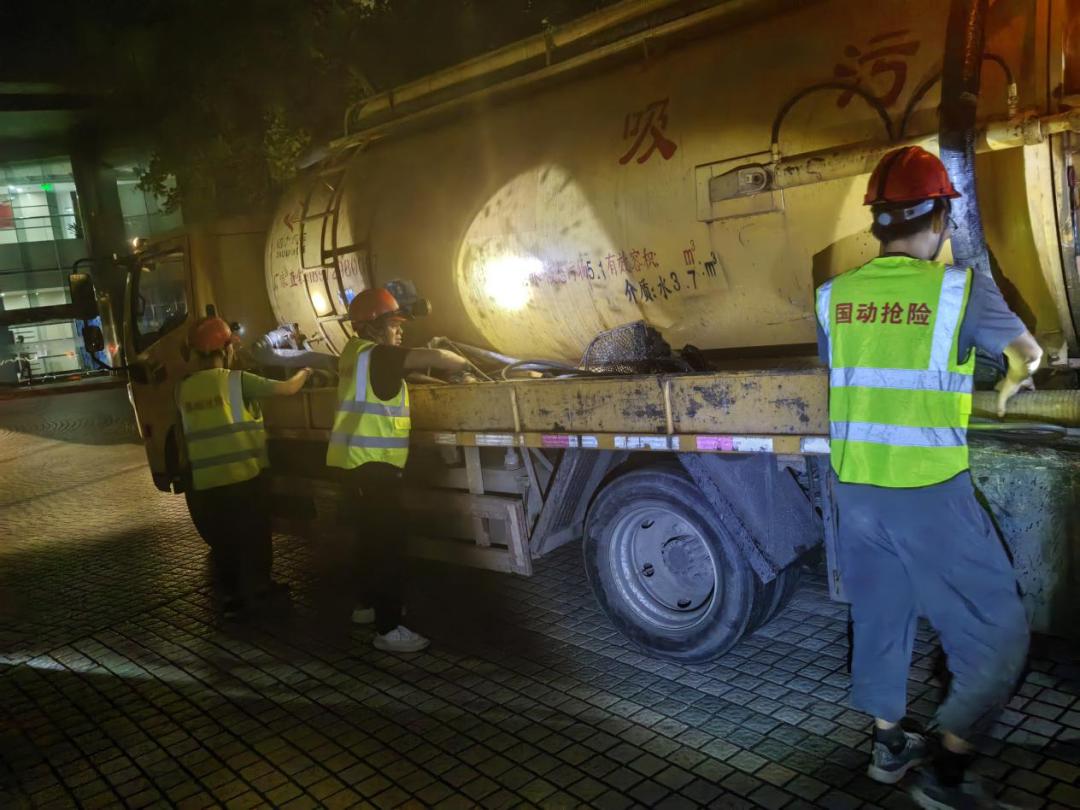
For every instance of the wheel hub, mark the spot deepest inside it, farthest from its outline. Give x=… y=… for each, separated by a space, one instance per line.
x=666 y=568
x=686 y=558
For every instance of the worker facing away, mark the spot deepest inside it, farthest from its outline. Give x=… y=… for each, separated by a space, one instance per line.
x=899 y=335
x=370 y=445
x=226 y=452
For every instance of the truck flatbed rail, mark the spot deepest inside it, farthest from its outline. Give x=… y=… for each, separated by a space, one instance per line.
x=780 y=411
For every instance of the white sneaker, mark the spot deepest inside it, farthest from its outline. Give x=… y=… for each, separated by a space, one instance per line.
x=366 y=615
x=400 y=639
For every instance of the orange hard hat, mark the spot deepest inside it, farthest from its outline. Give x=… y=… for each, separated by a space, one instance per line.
x=211 y=334
x=909 y=174
x=370 y=305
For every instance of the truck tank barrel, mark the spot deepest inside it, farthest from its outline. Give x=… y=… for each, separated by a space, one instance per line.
x=661 y=202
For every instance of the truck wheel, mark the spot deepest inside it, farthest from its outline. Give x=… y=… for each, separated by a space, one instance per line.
x=663 y=567
x=772 y=598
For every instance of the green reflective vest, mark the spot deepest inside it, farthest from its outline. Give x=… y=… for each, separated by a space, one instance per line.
x=366 y=428
x=226 y=443
x=899 y=400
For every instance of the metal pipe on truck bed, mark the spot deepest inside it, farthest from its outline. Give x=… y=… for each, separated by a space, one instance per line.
x=732 y=12
x=857 y=159
x=540 y=45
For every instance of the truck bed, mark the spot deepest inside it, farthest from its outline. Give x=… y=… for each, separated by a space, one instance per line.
x=781 y=411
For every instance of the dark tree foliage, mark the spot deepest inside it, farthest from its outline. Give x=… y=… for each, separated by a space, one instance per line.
x=228 y=93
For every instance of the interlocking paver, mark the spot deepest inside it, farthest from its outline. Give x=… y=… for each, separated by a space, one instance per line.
x=123 y=686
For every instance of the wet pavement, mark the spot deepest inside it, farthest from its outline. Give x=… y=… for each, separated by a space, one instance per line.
x=121 y=686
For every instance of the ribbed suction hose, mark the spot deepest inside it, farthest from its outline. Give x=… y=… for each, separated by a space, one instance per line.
x=1057 y=407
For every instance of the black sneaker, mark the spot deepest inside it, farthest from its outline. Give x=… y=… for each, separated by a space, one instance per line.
x=930 y=794
x=232 y=607
x=274 y=590
x=889 y=768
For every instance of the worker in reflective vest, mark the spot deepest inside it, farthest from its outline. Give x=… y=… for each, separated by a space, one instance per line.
x=899 y=335
x=226 y=452
x=369 y=444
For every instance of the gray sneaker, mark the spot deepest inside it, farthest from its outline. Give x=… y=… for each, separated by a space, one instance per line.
x=889 y=768
x=930 y=794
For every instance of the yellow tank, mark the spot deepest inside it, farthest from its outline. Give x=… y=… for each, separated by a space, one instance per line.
x=639 y=180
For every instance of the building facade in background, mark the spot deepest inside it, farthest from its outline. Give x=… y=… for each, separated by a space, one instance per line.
x=41 y=238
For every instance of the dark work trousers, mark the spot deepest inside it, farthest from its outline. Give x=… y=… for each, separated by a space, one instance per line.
x=378 y=553
x=933 y=552
x=235 y=521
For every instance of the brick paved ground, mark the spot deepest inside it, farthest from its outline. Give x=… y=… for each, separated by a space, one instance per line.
x=118 y=686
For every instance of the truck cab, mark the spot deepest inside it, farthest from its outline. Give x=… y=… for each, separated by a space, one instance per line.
x=175 y=279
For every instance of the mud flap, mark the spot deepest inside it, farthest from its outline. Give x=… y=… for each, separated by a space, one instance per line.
x=822 y=481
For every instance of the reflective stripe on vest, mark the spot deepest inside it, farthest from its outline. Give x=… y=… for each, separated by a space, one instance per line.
x=225 y=440
x=898 y=435
x=899 y=398
x=900 y=378
x=367 y=428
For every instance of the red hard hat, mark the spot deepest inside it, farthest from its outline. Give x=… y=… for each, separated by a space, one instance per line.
x=370 y=305
x=209 y=335
x=908 y=174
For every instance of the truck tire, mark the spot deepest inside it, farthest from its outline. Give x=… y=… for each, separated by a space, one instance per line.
x=664 y=568
x=773 y=598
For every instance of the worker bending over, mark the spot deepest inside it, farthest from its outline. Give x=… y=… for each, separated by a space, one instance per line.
x=226 y=451
x=370 y=443
x=899 y=335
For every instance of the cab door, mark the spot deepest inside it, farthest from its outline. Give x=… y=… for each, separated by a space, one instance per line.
x=157 y=306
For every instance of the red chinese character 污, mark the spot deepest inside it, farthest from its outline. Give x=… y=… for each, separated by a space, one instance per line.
x=843 y=313
x=651 y=121
x=892 y=313
x=867 y=313
x=885 y=55
x=919 y=314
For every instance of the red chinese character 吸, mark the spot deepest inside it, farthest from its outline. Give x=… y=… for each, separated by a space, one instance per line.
x=919 y=314
x=867 y=313
x=892 y=313
x=651 y=121
x=843 y=313
x=885 y=55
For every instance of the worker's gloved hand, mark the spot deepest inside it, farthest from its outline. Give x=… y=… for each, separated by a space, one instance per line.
x=320 y=378
x=1008 y=388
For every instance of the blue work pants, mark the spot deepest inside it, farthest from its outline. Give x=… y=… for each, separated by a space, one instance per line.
x=933 y=552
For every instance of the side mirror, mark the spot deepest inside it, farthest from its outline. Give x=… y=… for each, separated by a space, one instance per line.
x=83 y=297
x=93 y=339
